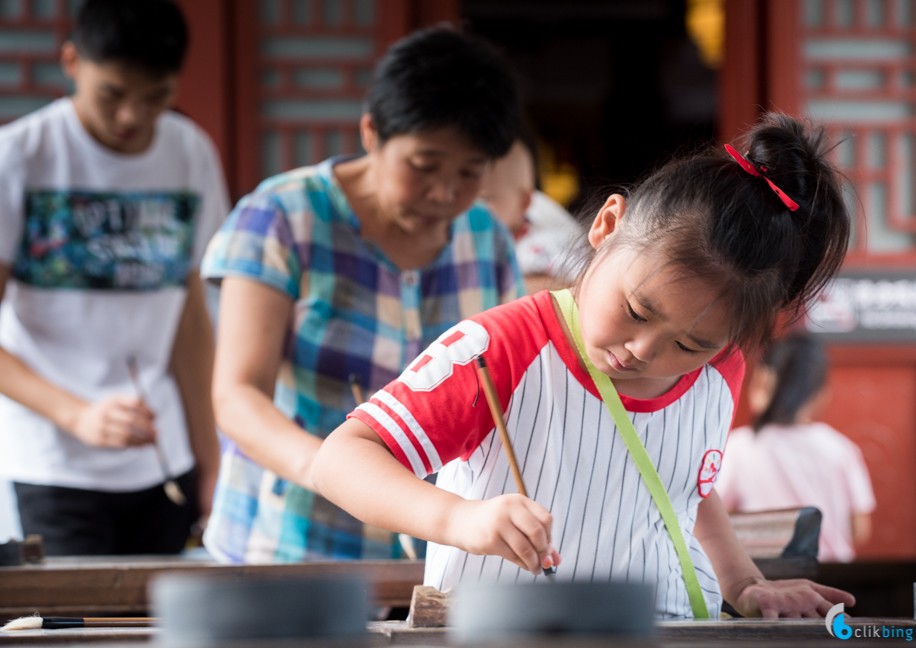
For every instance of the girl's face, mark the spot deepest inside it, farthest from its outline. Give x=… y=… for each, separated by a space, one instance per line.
x=761 y=387
x=643 y=322
x=424 y=180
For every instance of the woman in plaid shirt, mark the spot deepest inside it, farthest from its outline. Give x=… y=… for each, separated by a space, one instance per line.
x=338 y=274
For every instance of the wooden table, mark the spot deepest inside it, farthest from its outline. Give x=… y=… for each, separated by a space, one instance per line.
x=881 y=587
x=115 y=586
x=118 y=587
x=669 y=634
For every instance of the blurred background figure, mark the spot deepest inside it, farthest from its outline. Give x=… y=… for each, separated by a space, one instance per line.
x=543 y=230
x=335 y=275
x=107 y=200
x=787 y=458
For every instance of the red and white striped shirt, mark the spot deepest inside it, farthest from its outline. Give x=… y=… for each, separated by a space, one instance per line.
x=572 y=458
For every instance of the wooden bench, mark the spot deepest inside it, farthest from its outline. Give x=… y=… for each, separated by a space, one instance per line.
x=782 y=542
x=117 y=586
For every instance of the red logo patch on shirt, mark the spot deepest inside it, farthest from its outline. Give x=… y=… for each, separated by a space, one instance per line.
x=709 y=469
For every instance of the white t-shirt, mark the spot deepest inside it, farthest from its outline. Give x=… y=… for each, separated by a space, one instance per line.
x=100 y=245
x=799 y=465
x=549 y=244
x=573 y=460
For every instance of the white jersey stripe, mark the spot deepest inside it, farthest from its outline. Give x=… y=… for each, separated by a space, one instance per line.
x=398 y=434
x=432 y=455
x=550 y=418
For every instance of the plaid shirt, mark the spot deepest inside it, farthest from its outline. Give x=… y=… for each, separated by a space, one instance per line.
x=354 y=313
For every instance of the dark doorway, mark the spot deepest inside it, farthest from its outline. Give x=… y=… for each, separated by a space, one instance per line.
x=611 y=87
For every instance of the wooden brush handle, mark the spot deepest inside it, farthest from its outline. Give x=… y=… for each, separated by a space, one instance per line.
x=496 y=411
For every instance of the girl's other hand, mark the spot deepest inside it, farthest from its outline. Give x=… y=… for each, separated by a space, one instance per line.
x=116 y=422
x=511 y=526
x=791 y=598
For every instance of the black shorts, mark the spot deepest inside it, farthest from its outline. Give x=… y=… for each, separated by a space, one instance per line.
x=77 y=522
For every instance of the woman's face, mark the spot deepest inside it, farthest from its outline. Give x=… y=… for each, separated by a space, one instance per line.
x=424 y=180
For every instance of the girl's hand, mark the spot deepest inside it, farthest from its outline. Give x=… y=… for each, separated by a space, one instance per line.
x=115 y=422
x=792 y=598
x=511 y=526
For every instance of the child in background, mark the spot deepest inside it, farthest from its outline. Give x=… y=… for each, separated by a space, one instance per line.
x=697 y=263
x=107 y=200
x=545 y=234
x=787 y=458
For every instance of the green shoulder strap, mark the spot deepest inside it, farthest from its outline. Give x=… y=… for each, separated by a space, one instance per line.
x=638 y=453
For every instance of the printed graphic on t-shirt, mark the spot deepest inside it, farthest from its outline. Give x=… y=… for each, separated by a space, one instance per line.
x=709 y=470
x=106 y=240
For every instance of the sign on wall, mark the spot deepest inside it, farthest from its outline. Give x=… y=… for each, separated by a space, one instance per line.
x=867 y=306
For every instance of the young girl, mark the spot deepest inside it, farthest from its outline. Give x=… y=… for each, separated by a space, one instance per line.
x=696 y=263
x=787 y=458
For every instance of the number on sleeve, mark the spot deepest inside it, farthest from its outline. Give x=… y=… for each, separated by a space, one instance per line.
x=457 y=346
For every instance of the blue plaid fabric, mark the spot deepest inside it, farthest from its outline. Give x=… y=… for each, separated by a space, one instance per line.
x=355 y=313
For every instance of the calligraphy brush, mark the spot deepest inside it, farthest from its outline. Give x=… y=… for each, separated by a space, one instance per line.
x=356 y=390
x=172 y=489
x=58 y=623
x=496 y=411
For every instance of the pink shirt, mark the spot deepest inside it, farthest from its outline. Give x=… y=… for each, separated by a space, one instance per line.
x=799 y=465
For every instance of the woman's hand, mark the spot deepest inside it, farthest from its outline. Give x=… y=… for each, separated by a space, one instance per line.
x=115 y=422
x=511 y=526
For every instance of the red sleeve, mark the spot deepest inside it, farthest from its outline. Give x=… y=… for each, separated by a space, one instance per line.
x=436 y=410
x=730 y=363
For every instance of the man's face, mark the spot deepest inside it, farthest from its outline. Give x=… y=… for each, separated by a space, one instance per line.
x=118 y=105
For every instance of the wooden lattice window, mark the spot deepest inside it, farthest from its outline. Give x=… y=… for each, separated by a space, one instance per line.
x=858 y=76
x=31 y=32
x=314 y=61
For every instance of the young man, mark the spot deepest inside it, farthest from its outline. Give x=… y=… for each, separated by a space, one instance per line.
x=107 y=200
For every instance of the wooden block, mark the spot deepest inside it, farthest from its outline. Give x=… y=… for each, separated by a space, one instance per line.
x=428 y=608
x=30 y=551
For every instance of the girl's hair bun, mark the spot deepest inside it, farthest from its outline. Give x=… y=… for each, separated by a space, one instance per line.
x=795 y=158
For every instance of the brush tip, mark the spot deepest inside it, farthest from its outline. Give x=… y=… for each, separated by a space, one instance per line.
x=23 y=623
x=174 y=493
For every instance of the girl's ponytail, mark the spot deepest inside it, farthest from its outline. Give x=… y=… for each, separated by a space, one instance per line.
x=795 y=159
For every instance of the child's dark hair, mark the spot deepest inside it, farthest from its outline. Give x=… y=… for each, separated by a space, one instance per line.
x=715 y=220
x=439 y=77
x=150 y=35
x=799 y=366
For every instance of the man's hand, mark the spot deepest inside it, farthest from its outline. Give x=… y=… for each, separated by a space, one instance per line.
x=116 y=422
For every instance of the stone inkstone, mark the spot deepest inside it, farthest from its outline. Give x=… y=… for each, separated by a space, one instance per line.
x=196 y=610
x=486 y=612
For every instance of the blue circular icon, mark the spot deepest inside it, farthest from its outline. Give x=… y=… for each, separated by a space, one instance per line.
x=840 y=629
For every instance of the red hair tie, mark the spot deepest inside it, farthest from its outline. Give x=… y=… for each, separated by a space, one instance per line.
x=750 y=168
